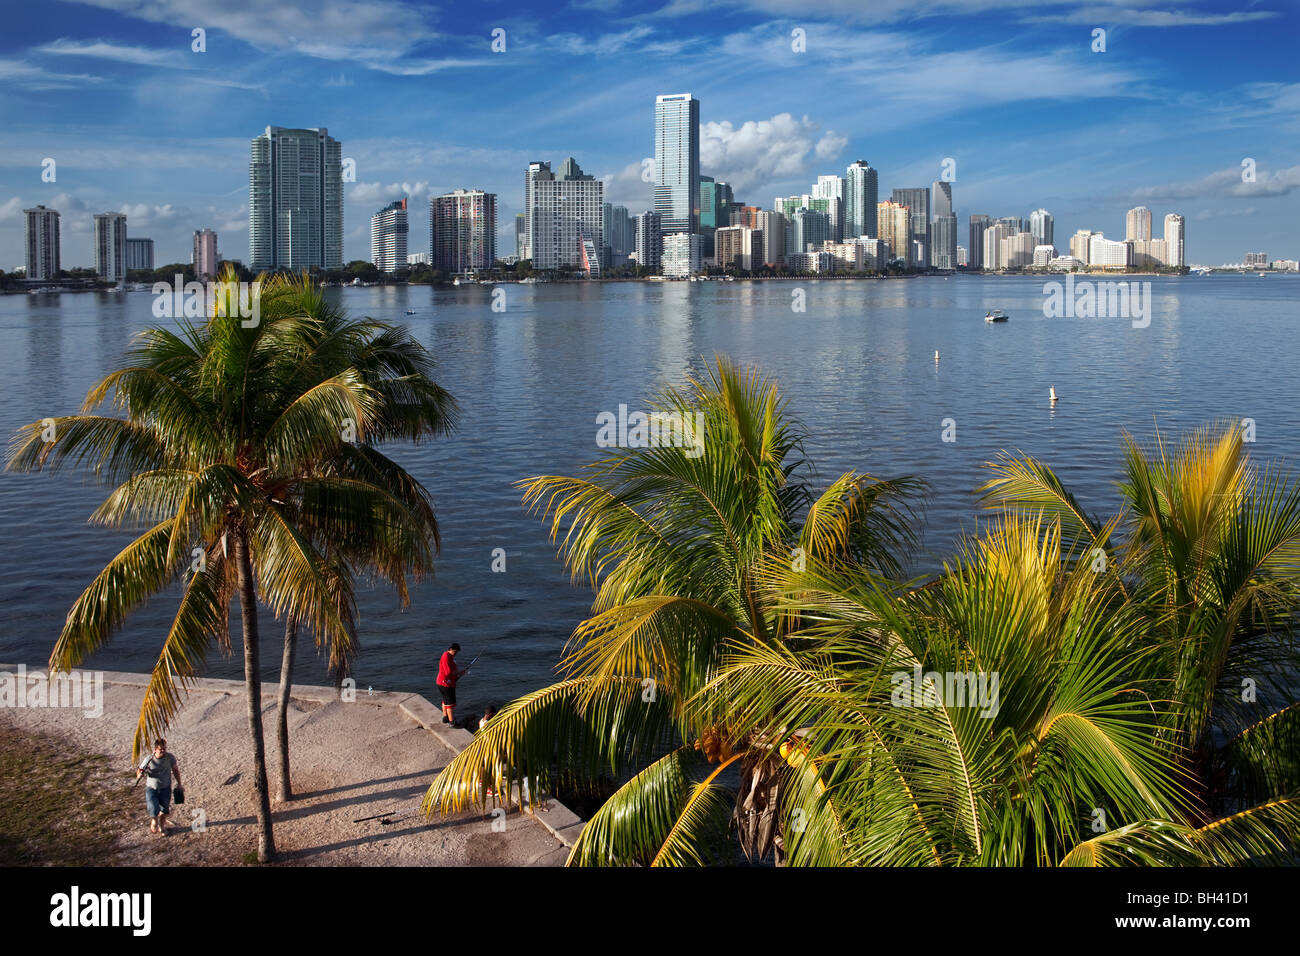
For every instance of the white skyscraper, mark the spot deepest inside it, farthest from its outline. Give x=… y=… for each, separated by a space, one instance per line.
x=388 y=231
x=565 y=217
x=861 y=189
x=295 y=200
x=1138 y=223
x=831 y=188
x=110 y=245
x=1174 y=226
x=1043 y=226
x=41 y=229
x=677 y=162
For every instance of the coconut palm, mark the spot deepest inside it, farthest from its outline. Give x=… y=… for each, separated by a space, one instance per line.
x=246 y=451
x=675 y=543
x=1207 y=551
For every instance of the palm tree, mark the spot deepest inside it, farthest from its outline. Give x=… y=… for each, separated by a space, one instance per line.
x=675 y=543
x=1207 y=551
x=246 y=453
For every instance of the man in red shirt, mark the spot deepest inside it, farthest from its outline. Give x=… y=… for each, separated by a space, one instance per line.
x=448 y=674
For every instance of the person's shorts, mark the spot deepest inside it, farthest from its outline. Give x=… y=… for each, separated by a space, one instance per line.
x=158 y=800
x=448 y=694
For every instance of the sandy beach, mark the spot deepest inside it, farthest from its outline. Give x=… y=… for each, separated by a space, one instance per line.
x=371 y=757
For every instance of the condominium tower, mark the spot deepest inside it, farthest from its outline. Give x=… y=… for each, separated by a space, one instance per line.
x=565 y=213
x=41 y=230
x=463 y=231
x=861 y=188
x=388 y=232
x=677 y=162
x=110 y=245
x=295 y=200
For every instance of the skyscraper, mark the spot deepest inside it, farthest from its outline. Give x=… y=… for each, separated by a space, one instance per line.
x=708 y=215
x=944 y=236
x=110 y=245
x=521 y=234
x=993 y=256
x=139 y=254
x=463 y=231
x=295 y=200
x=649 y=240
x=1043 y=226
x=205 y=256
x=861 y=188
x=942 y=198
x=831 y=188
x=565 y=216
x=1174 y=226
x=975 y=243
x=918 y=201
x=772 y=226
x=677 y=162
x=619 y=239
x=1138 y=223
x=808 y=230
x=894 y=222
x=388 y=231
x=41 y=230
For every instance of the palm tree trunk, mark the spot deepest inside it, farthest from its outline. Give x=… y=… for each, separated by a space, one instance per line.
x=282 y=708
x=253 y=681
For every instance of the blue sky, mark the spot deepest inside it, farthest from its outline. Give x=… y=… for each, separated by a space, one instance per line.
x=1009 y=89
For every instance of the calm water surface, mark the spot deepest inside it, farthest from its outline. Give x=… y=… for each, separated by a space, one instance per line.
x=857 y=366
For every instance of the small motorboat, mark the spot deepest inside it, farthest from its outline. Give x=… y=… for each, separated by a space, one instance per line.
x=410 y=312
x=995 y=315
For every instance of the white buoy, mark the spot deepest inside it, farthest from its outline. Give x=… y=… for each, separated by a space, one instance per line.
x=1052 y=392
x=936 y=355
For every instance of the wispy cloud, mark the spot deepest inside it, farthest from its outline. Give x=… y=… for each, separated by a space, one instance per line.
x=1226 y=183
x=36 y=78
x=121 y=53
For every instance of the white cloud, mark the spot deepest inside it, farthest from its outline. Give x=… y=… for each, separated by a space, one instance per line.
x=760 y=152
x=145 y=214
x=11 y=209
x=1226 y=183
x=34 y=78
x=105 y=50
x=627 y=188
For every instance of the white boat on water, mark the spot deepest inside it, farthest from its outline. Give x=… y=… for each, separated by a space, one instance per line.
x=995 y=315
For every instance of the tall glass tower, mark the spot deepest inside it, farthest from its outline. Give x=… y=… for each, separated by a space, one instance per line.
x=861 y=185
x=295 y=200
x=677 y=162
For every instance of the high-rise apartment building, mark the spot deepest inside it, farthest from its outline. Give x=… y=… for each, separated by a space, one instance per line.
x=739 y=247
x=994 y=250
x=918 y=201
x=1174 y=227
x=521 y=235
x=110 y=245
x=677 y=162
x=1043 y=226
x=463 y=232
x=975 y=246
x=861 y=189
x=139 y=254
x=1016 y=251
x=681 y=255
x=389 y=229
x=565 y=215
x=41 y=232
x=772 y=227
x=1081 y=245
x=648 y=240
x=205 y=255
x=942 y=190
x=894 y=222
x=1109 y=253
x=619 y=237
x=831 y=188
x=1138 y=223
x=944 y=238
x=807 y=230
x=295 y=200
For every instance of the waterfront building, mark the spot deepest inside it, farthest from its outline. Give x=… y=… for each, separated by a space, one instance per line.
x=1174 y=230
x=205 y=257
x=1255 y=260
x=418 y=259
x=739 y=247
x=648 y=241
x=1137 y=225
x=1149 y=253
x=918 y=201
x=894 y=224
x=295 y=200
x=521 y=232
x=110 y=246
x=808 y=228
x=1043 y=226
x=1065 y=264
x=1016 y=251
x=772 y=226
x=41 y=238
x=677 y=162
x=620 y=240
x=861 y=195
x=831 y=189
x=565 y=213
x=1109 y=253
x=463 y=232
x=994 y=247
x=977 y=226
x=944 y=236
x=1043 y=255
x=1081 y=245
x=681 y=254
x=139 y=254
x=389 y=228
x=963 y=257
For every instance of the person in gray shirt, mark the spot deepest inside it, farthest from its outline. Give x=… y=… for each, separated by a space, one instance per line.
x=159 y=767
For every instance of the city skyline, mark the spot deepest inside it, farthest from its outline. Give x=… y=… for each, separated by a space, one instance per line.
x=1135 y=133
